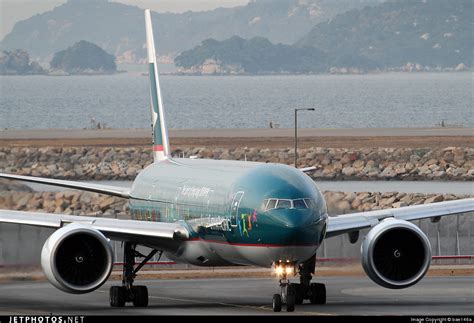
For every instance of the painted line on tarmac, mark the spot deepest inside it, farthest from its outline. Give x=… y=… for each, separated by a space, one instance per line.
x=261 y=308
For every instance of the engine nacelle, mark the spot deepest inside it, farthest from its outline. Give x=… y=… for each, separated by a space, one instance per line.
x=396 y=254
x=77 y=258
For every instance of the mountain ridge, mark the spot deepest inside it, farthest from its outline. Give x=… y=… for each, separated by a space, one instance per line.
x=403 y=35
x=119 y=28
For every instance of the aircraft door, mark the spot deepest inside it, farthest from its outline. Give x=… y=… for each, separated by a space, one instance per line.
x=234 y=208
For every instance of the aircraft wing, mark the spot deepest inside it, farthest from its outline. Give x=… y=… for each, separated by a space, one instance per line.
x=97 y=188
x=356 y=221
x=160 y=233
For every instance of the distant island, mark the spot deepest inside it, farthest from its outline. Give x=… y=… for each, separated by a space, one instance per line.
x=17 y=62
x=259 y=56
x=119 y=28
x=254 y=56
x=404 y=35
x=83 y=58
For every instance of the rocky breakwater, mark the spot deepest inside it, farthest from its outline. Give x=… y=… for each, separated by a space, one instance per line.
x=124 y=163
x=67 y=202
x=350 y=202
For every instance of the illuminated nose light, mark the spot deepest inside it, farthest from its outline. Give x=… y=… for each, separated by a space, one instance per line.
x=284 y=268
x=279 y=270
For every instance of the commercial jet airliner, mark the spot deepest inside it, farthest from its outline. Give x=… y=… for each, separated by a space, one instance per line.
x=218 y=213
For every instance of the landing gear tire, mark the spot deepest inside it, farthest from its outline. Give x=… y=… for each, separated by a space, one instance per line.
x=117 y=296
x=276 y=303
x=299 y=292
x=290 y=302
x=140 y=296
x=318 y=293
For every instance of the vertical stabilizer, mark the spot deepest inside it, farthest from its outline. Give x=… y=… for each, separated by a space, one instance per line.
x=161 y=149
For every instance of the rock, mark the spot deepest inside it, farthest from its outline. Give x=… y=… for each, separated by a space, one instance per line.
x=388 y=194
x=356 y=203
x=434 y=199
x=358 y=164
x=106 y=203
x=343 y=207
x=387 y=201
x=388 y=172
x=350 y=197
x=131 y=171
x=349 y=171
x=399 y=204
x=368 y=200
x=414 y=159
x=431 y=162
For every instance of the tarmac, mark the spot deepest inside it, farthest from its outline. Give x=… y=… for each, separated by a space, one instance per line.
x=247 y=296
x=232 y=133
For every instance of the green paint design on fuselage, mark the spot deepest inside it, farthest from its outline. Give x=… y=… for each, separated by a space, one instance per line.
x=154 y=100
x=200 y=193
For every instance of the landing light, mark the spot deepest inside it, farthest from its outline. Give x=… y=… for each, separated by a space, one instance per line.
x=284 y=269
x=279 y=270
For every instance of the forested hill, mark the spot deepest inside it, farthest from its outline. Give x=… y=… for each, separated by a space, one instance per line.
x=119 y=28
x=430 y=33
x=253 y=56
x=407 y=35
x=83 y=58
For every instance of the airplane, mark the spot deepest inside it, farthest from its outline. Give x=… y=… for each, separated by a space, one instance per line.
x=219 y=213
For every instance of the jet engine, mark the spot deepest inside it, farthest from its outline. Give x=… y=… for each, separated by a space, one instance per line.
x=396 y=254
x=77 y=258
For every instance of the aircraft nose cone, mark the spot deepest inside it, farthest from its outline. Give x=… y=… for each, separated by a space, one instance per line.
x=297 y=219
x=299 y=228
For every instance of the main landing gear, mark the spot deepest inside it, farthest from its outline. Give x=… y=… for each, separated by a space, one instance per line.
x=138 y=295
x=294 y=294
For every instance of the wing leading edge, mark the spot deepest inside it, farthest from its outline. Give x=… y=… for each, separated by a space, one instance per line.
x=362 y=220
x=97 y=188
x=153 y=233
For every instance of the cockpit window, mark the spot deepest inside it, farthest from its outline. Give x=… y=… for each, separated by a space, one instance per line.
x=306 y=203
x=311 y=204
x=283 y=204
x=271 y=204
x=299 y=204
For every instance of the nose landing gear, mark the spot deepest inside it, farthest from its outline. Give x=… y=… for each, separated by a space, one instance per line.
x=294 y=294
x=287 y=296
x=287 y=292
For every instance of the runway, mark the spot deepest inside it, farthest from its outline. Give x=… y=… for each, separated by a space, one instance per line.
x=345 y=296
x=35 y=134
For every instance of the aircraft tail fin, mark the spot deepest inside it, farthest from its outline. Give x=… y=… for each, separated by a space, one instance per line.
x=161 y=148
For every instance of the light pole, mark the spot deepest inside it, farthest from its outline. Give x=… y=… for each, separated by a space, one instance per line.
x=296 y=133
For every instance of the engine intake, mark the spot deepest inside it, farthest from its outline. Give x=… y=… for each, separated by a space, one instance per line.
x=396 y=254
x=77 y=258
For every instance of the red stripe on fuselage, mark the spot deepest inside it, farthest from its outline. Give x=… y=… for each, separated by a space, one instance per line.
x=158 y=148
x=263 y=245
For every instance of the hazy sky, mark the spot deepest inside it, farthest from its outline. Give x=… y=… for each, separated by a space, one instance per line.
x=12 y=11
